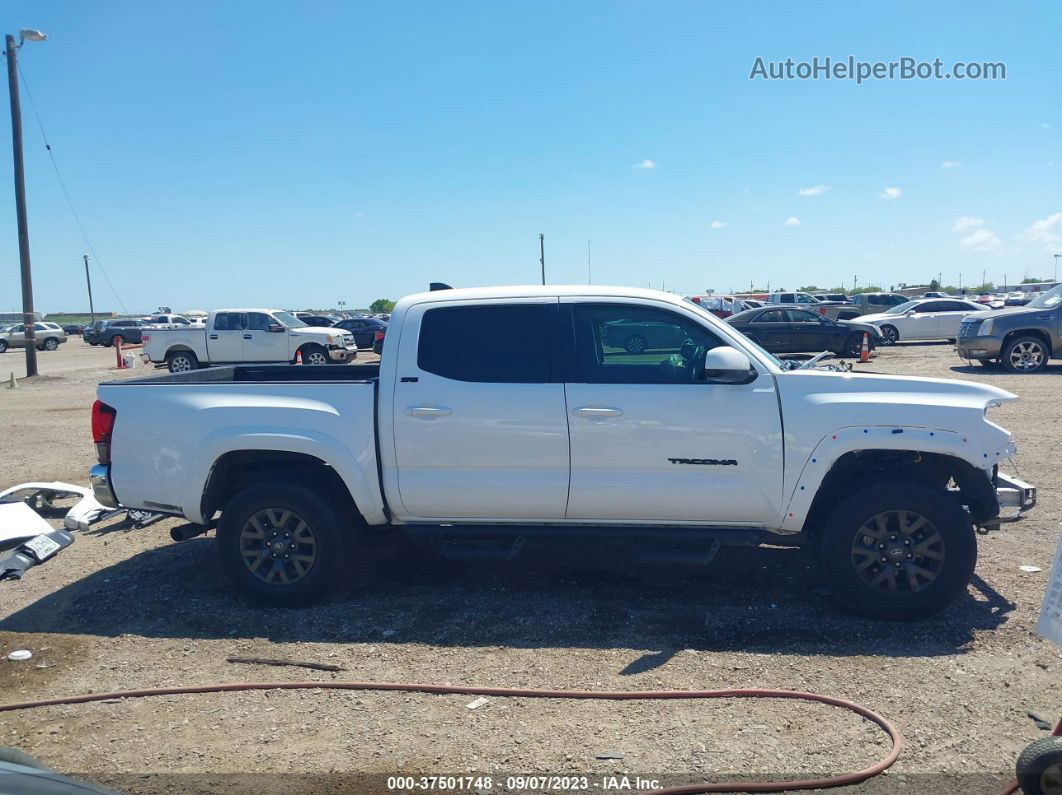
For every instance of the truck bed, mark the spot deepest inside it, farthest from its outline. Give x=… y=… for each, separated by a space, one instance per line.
x=265 y=374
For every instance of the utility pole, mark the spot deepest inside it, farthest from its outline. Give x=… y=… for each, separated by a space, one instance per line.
x=542 y=255
x=28 y=317
x=88 y=281
x=960 y=284
x=1057 y=257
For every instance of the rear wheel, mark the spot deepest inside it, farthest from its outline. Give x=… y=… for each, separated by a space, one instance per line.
x=51 y=344
x=898 y=550
x=1025 y=355
x=182 y=361
x=890 y=334
x=853 y=346
x=635 y=343
x=282 y=543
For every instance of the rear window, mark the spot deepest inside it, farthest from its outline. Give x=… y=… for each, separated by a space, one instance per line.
x=505 y=344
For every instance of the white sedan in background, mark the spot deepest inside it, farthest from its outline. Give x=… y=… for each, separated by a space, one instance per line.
x=923 y=319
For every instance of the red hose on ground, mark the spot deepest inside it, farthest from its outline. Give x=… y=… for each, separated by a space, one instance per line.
x=610 y=695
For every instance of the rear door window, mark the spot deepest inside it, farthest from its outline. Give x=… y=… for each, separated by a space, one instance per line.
x=227 y=321
x=501 y=344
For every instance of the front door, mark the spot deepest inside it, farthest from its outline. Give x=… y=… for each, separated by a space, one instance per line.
x=652 y=441
x=225 y=340
x=259 y=343
x=479 y=418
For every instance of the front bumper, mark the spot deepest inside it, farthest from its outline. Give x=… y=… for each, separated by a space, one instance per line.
x=343 y=354
x=1015 y=497
x=978 y=347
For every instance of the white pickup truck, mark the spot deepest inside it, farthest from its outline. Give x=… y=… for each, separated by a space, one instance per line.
x=246 y=335
x=499 y=415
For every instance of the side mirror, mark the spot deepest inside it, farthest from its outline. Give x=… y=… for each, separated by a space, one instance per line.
x=909 y=312
x=276 y=328
x=725 y=365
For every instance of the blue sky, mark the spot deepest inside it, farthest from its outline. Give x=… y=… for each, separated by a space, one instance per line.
x=250 y=153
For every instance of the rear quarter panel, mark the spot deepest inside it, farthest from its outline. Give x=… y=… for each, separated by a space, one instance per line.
x=167 y=437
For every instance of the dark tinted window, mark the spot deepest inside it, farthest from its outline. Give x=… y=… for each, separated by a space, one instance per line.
x=955 y=306
x=771 y=316
x=625 y=344
x=930 y=306
x=257 y=321
x=802 y=316
x=227 y=321
x=504 y=344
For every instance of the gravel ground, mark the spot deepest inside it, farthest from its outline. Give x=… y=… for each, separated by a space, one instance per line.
x=128 y=608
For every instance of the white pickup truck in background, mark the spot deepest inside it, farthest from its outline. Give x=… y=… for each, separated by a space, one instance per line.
x=247 y=335
x=502 y=415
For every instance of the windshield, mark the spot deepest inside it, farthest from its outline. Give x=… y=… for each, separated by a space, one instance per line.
x=288 y=320
x=899 y=309
x=1048 y=300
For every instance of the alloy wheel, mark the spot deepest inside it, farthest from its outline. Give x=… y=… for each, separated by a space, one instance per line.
x=898 y=552
x=1028 y=355
x=277 y=546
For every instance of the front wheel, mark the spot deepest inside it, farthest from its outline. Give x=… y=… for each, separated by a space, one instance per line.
x=3 y=346
x=890 y=334
x=1025 y=355
x=282 y=543
x=314 y=354
x=898 y=550
x=854 y=345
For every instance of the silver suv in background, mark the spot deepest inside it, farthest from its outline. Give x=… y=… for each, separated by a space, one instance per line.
x=49 y=336
x=1022 y=338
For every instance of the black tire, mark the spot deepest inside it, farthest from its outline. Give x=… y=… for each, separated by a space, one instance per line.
x=50 y=344
x=1039 y=768
x=635 y=343
x=326 y=539
x=3 y=346
x=182 y=361
x=942 y=550
x=314 y=354
x=117 y=339
x=1025 y=355
x=890 y=335
x=853 y=346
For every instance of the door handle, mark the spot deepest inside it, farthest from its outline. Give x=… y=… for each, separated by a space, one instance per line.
x=597 y=412
x=248 y=337
x=428 y=412
x=213 y=336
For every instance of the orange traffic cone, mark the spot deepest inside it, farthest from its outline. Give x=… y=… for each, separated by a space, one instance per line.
x=298 y=357
x=864 y=352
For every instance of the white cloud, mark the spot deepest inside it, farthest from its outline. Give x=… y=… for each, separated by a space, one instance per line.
x=1047 y=230
x=950 y=164
x=647 y=163
x=1045 y=126
x=981 y=240
x=814 y=191
x=717 y=224
x=891 y=193
x=964 y=222
x=792 y=221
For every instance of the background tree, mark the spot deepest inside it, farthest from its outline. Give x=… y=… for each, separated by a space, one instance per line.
x=382 y=305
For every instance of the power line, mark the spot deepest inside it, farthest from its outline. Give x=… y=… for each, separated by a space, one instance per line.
x=66 y=193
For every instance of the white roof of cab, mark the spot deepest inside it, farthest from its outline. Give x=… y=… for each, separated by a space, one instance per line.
x=538 y=290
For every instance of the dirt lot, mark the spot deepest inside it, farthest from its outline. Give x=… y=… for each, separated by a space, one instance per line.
x=124 y=609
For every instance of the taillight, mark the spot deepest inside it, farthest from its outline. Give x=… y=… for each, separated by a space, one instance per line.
x=102 y=426
x=144 y=338
x=696 y=299
x=379 y=336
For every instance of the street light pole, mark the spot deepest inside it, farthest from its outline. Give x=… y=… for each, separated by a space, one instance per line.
x=28 y=317
x=88 y=281
x=542 y=255
x=1057 y=257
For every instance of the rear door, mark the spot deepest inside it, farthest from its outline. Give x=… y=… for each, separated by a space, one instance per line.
x=925 y=323
x=771 y=330
x=480 y=426
x=225 y=339
x=950 y=317
x=259 y=343
x=652 y=441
